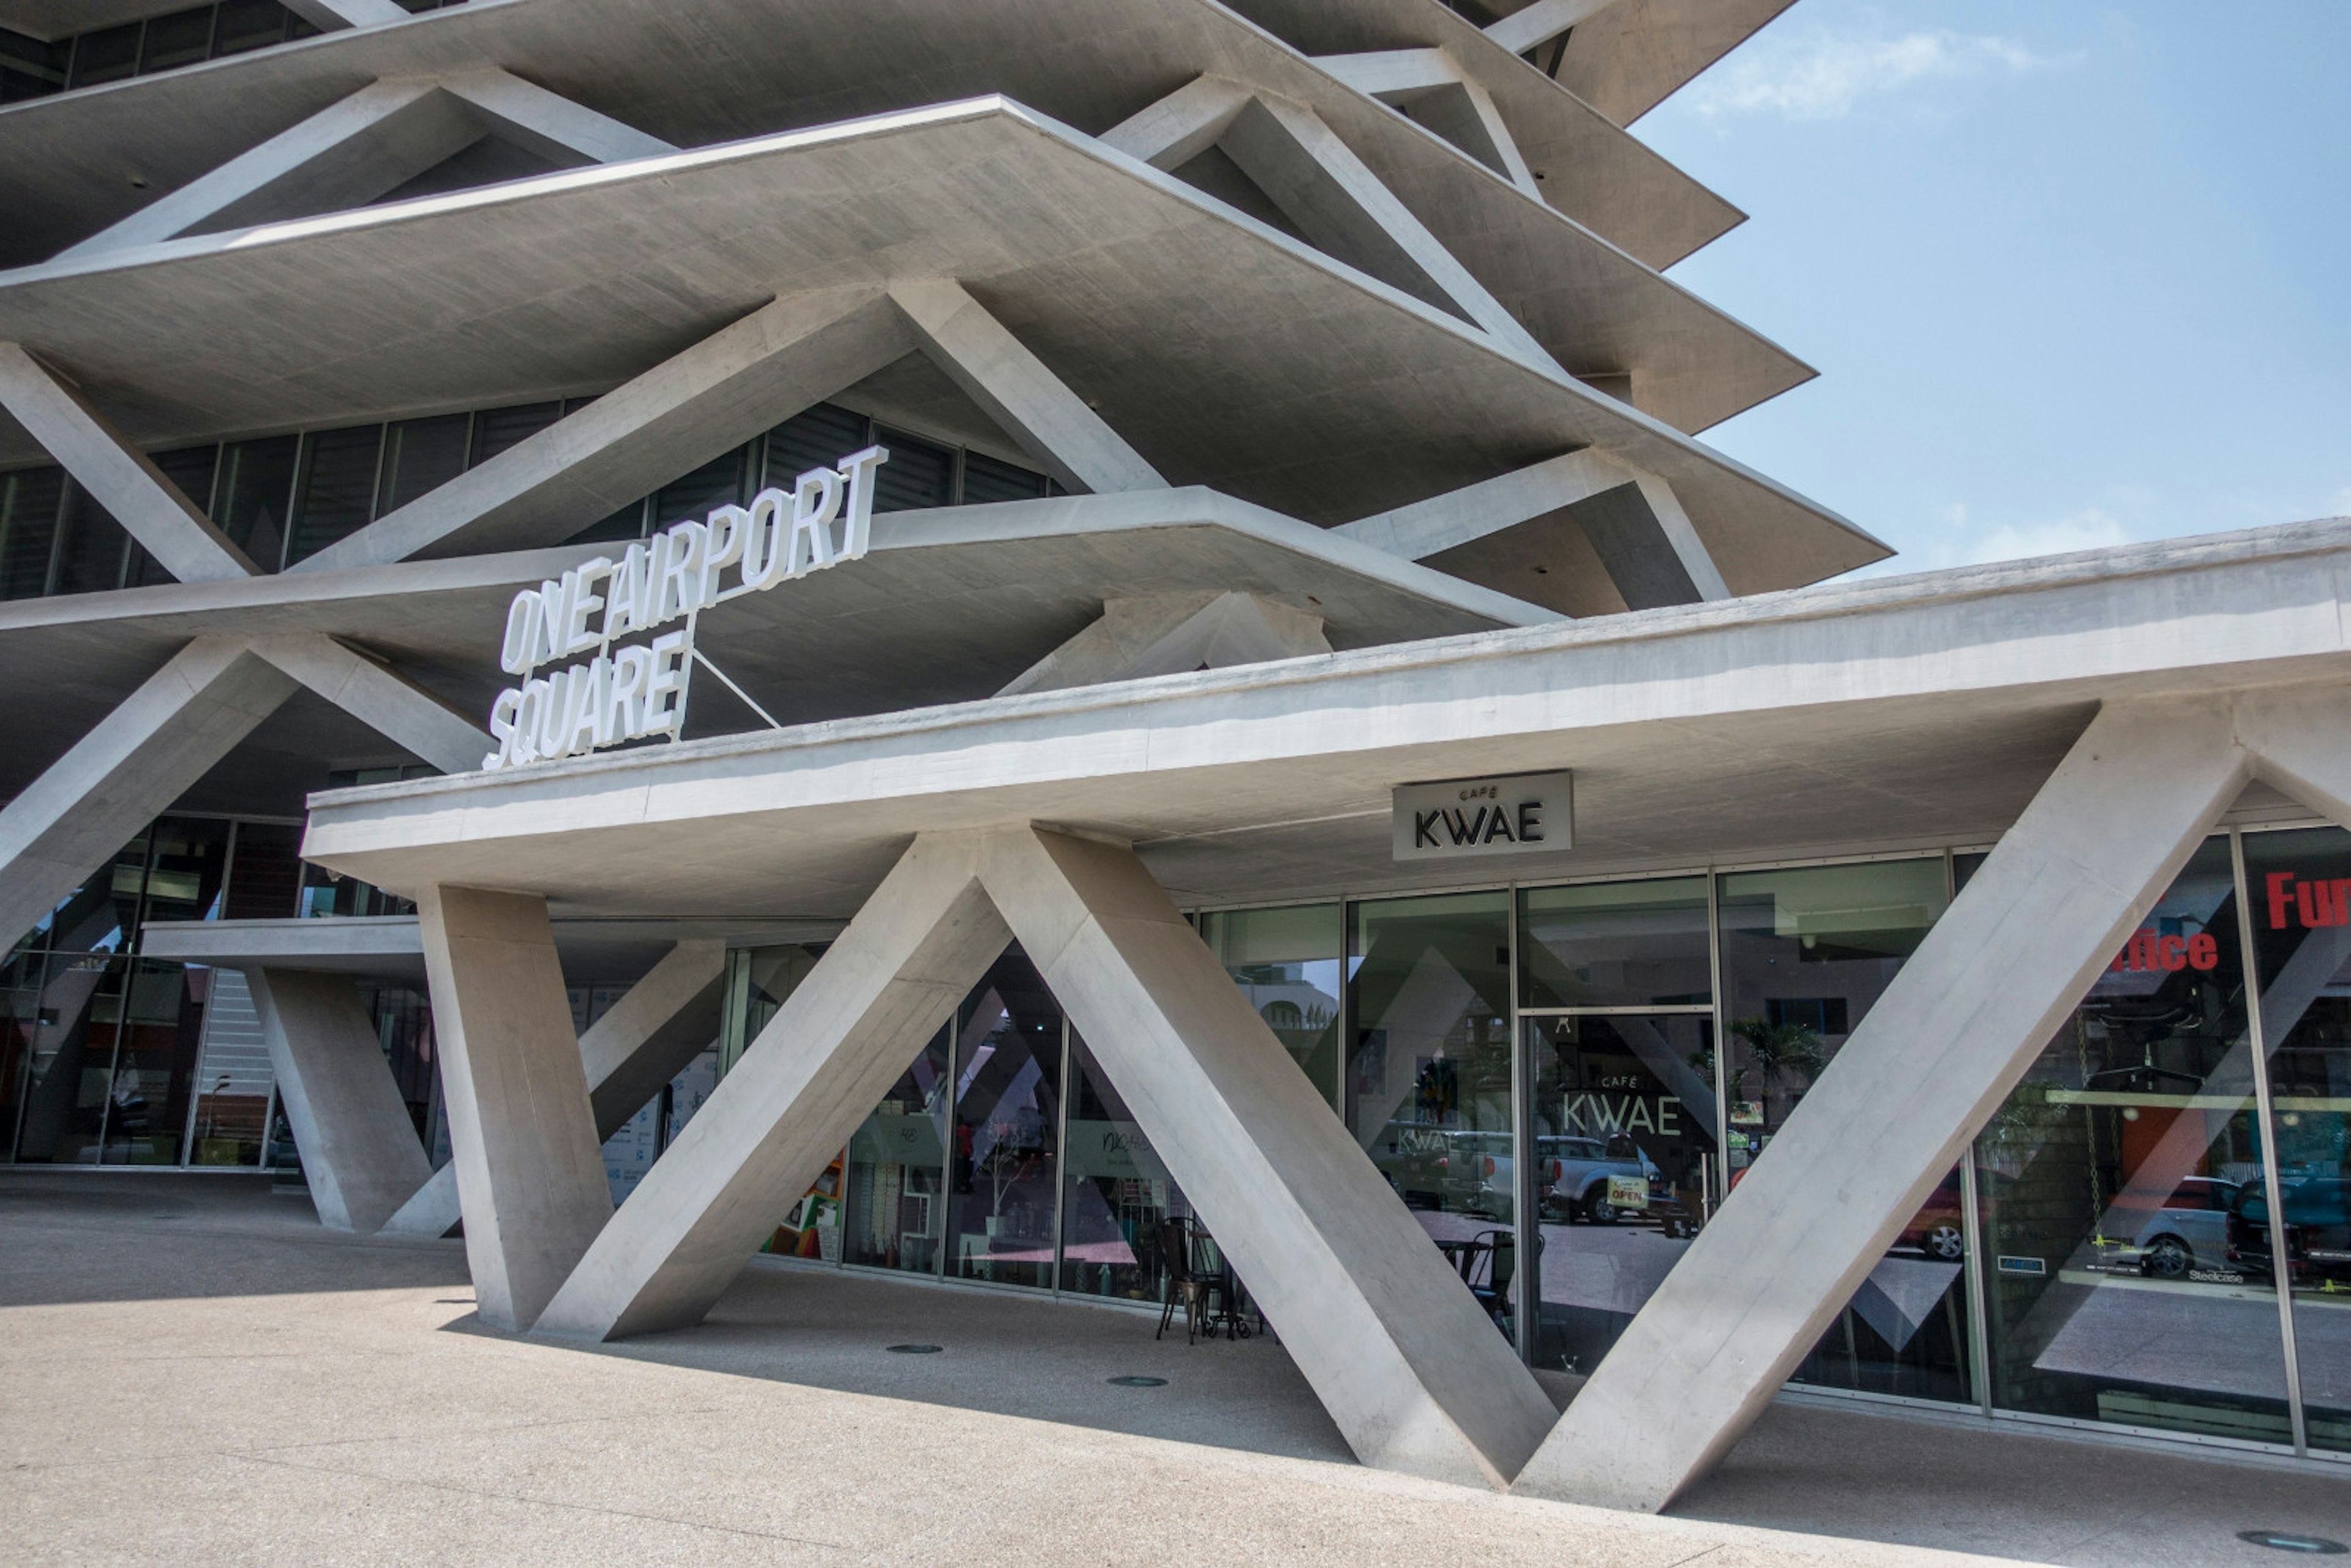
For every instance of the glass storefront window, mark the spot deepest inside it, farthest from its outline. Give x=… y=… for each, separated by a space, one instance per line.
x=1428 y=1084
x=897 y=1170
x=1286 y=961
x=1617 y=944
x=1624 y=1153
x=2115 y=1185
x=232 y=1077
x=1002 y=1162
x=1805 y=952
x=1116 y=1196
x=2299 y=886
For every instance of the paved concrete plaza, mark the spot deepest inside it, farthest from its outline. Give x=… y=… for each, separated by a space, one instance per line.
x=196 y=1372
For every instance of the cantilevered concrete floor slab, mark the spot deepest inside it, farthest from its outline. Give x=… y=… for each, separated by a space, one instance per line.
x=1924 y=709
x=755 y=68
x=954 y=601
x=1227 y=352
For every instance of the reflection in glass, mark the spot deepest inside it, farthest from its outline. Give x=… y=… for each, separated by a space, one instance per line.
x=1624 y=1168
x=1002 y=1181
x=1286 y=961
x=2108 y=1181
x=69 y=1059
x=160 y=1024
x=1428 y=1088
x=2302 y=934
x=897 y=1170
x=1117 y=1193
x=1619 y=943
x=233 y=1074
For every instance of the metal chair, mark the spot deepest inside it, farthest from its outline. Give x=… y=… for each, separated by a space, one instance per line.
x=1183 y=1282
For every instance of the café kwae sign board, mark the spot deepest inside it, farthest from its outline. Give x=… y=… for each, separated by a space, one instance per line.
x=629 y=691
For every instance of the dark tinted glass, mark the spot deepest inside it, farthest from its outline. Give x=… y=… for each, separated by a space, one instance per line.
x=1002 y=1178
x=91 y=546
x=1621 y=944
x=498 y=429
x=182 y=39
x=264 y=875
x=338 y=489
x=249 y=502
x=717 y=482
x=28 y=527
x=30 y=68
x=248 y=25
x=190 y=470
x=419 y=456
x=817 y=438
x=919 y=473
x=987 y=478
x=897 y=1170
x=108 y=55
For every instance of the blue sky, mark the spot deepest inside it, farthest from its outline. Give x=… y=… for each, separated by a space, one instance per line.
x=2072 y=274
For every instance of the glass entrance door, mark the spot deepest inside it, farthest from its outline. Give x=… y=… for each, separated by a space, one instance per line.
x=1626 y=1170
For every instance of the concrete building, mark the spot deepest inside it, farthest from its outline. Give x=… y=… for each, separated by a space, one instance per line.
x=1049 y=648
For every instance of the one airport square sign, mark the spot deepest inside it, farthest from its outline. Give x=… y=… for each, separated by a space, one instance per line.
x=1518 y=813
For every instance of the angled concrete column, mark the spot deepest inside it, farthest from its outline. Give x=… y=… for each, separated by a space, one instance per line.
x=1402 y=1356
x=530 y=1169
x=1645 y=540
x=2301 y=741
x=1178 y=127
x=549 y=123
x=335 y=15
x=116 y=475
x=381 y=698
x=1940 y=1050
x=716 y=394
x=1163 y=634
x=140 y=758
x=644 y=1040
x=360 y=1151
x=1541 y=22
x=995 y=371
x=1430 y=86
x=833 y=1048
x=1343 y=208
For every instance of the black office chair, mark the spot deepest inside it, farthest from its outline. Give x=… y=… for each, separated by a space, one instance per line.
x=1501 y=1267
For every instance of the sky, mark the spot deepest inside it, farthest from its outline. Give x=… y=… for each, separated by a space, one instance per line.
x=2073 y=274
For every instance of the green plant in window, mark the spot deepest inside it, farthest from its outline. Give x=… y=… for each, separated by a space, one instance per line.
x=1776 y=1054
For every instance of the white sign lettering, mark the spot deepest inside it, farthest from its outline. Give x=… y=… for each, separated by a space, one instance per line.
x=629 y=693
x=1525 y=813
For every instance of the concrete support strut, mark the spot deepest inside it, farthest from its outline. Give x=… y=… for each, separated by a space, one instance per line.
x=1433 y=89
x=378 y=137
x=335 y=14
x=995 y=371
x=1401 y=1355
x=360 y=1155
x=647 y=1038
x=530 y=1169
x=1163 y=634
x=140 y=758
x=1939 y=1050
x=116 y=475
x=713 y=395
x=379 y=696
x=1643 y=538
x=1541 y=22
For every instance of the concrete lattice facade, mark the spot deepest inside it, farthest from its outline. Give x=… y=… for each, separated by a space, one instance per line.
x=1282 y=403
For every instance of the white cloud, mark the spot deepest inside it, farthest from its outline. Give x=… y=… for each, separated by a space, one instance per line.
x=1821 y=76
x=2089 y=529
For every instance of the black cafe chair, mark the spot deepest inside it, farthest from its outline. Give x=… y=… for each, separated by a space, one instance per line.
x=1184 y=1284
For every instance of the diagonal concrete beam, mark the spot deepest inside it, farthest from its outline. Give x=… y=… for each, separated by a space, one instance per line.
x=1343 y=208
x=360 y=1155
x=116 y=475
x=1036 y=408
x=335 y=14
x=923 y=939
x=1946 y=1044
x=1637 y=526
x=1163 y=634
x=1541 y=22
x=1178 y=127
x=1431 y=87
x=115 y=779
x=716 y=395
x=358 y=148
x=530 y=1169
x=379 y=696
x=1405 y=1359
x=666 y=1020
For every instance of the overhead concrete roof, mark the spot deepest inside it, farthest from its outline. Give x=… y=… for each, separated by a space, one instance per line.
x=1908 y=710
x=719 y=70
x=1230 y=354
x=949 y=605
x=392 y=947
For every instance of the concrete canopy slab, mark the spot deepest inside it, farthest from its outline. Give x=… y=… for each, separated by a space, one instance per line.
x=1635 y=54
x=1922 y=710
x=729 y=68
x=949 y=605
x=1100 y=264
